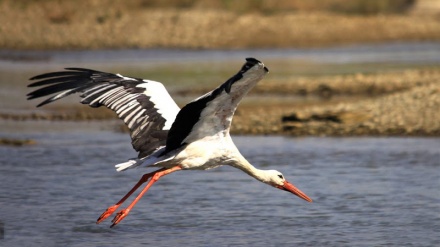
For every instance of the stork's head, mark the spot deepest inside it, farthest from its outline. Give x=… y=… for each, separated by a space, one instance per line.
x=277 y=180
x=253 y=64
x=250 y=73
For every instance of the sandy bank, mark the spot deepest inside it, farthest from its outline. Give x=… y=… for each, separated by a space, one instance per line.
x=392 y=103
x=397 y=103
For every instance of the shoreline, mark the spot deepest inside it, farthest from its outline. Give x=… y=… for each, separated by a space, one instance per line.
x=402 y=103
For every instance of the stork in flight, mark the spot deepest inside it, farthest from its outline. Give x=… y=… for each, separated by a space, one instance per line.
x=195 y=137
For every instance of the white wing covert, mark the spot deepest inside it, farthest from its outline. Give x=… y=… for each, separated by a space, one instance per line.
x=145 y=106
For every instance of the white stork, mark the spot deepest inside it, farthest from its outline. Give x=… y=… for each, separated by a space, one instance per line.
x=195 y=137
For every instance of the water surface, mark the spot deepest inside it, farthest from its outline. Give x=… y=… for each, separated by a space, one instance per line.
x=397 y=52
x=366 y=191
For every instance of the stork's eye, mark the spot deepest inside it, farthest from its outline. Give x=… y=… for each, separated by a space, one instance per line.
x=280 y=176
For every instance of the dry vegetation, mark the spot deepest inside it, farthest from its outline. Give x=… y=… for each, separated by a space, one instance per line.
x=396 y=103
x=98 y=24
x=352 y=85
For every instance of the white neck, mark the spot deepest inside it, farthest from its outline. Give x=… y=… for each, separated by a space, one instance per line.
x=241 y=163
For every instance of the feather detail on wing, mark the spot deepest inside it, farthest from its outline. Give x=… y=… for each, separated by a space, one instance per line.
x=145 y=106
x=211 y=114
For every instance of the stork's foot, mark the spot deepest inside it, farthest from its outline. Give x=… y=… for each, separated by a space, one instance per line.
x=120 y=216
x=107 y=213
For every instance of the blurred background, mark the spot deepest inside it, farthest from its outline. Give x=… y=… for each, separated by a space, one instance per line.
x=357 y=83
x=337 y=67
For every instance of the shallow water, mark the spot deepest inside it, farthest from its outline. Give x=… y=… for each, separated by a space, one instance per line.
x=366 y=192
x=397 y=52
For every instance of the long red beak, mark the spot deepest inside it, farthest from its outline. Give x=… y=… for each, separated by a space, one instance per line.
x=291 y=188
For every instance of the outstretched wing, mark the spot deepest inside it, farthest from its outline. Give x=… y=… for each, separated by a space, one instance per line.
x=145 y=106
x=212 y=113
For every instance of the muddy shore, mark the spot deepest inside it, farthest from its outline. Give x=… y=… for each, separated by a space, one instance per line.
x=393 y=104
x=383 y=104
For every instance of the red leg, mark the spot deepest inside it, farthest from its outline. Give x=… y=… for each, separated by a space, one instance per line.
x=156 y=176
x=113 y=208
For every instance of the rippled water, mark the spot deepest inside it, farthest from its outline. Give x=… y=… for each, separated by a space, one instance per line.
x=366 y=191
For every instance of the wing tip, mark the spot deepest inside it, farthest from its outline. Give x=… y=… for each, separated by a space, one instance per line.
x=252 y=60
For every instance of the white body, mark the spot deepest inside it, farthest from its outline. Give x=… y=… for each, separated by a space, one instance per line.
x=209 y=143
x=195 y=137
